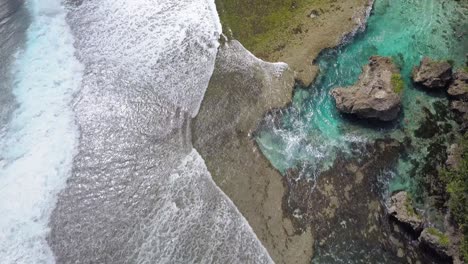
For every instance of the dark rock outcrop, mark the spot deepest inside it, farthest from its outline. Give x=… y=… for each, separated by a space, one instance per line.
x=374 y=94
x=458 y=90
x=433 y=74
x=460 y=109
x=401 y=209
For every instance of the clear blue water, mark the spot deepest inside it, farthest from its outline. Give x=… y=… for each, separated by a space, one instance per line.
x=311 y=131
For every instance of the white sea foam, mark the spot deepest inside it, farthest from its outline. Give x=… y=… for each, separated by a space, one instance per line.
x=37 y=151
x=139 y=192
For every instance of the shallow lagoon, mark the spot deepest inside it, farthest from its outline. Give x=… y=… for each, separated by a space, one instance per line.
x=310 y=131
x=309 y=134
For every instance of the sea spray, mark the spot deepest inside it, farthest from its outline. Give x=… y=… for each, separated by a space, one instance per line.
x=38 y=148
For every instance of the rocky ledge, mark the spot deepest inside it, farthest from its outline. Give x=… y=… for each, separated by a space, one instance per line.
x=401 y=209
x=432 y=74
x=377 y=93
x=436 y=241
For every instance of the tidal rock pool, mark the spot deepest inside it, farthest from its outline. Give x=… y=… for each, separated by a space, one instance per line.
x=310 y=138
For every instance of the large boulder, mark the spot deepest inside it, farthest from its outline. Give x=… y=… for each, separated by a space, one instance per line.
x=458 y=90
x=377 y=93
x=402 y=210
x=433 y=74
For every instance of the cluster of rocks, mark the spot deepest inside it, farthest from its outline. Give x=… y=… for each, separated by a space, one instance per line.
x=376 y=95
x=437 y=75
x=401 y=210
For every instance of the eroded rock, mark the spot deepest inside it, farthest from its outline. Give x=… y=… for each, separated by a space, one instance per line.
x=433 y=74
x=375 y=94
x=401 y=209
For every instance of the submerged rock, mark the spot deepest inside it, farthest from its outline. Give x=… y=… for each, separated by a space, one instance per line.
x=376 y=94
x=401 y=209
x=436 y=241
x=433 y=74
x=458 y=90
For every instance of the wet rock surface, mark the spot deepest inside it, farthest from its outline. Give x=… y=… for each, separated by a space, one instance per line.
x=432 y=74
x=374 y=94
x=458 y=90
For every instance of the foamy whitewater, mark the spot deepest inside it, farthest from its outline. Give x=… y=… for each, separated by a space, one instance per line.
x=110 y=135
x=38 y=148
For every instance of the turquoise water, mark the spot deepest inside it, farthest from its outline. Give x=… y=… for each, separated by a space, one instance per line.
x=37 y=150
x=311 y=131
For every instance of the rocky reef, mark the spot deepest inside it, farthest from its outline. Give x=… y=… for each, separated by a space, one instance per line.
x=377 y=93
x=344 y=204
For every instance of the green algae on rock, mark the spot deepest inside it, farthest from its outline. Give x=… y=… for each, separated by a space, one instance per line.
x=397 y=83
x=456 y=180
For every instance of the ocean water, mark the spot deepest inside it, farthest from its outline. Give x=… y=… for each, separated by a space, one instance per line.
x=96 y=160
x=311 y=130
x=37 y=148
x=139 y=192
x=14 y=21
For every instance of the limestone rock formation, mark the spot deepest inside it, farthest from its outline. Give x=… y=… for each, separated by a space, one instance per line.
x=458 y=90
x=377 y=93
x=433 y=74
x=401 y=209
